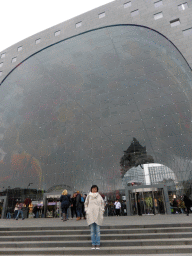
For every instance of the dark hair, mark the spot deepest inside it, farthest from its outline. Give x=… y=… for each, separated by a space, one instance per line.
x=94 y=186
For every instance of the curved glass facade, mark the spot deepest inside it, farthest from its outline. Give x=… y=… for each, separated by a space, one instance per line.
x=68 y=112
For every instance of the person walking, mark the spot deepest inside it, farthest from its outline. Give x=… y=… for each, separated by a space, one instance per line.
x=20 y=211
x=65 y=203
x=94 y=208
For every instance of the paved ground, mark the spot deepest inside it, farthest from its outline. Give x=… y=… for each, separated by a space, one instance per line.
x=178 y=254
x=122 y=220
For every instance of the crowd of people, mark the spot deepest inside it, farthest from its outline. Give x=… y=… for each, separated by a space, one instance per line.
x=181 y=205
x=74 y=207
x=75 y=203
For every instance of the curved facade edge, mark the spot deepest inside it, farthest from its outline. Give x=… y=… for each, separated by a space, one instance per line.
x=172 y=22
x=1 y=81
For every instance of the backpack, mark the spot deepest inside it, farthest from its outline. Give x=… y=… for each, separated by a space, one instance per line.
x=82 y=199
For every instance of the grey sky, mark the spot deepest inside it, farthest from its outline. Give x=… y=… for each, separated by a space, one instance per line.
x=21 y=19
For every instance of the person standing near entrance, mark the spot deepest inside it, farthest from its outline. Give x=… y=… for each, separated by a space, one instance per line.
x=16 y=210
x=65 y=203
x=20 y=211
x=94 y=208
x=117 y=205
x=78 y=205
x=73 y=206
x=188 y=203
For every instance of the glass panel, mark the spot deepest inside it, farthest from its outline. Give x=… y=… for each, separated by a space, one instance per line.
x=57 y=33
x=79 y=24
x=158 y=3
x=187 y=32
x=101 y=15
x=128 y=4
x=133 y=204
x=183 y=6
x=70 y=111
x=158 y=15
x=134 y=13
x=175 y=22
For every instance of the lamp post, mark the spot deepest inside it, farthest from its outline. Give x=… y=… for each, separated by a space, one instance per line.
x=29 y=185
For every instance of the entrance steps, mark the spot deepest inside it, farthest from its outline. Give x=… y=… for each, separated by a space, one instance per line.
x=140 y=240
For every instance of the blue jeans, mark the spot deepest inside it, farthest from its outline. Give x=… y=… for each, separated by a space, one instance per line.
x=95 y=234
x=79 y=211
x=37 y=214
x=19 y=211
x=8 y=215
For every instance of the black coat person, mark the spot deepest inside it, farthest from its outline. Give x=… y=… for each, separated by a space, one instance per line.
x=65 y=203
x=188 y=203
x=78 y=205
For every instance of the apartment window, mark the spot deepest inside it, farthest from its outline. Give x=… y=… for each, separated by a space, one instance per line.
x=187 y=32
x=175 y=22
x=128 y=4
x=183 y=6
x=19 y=48
x=1 y=73
x=79 y=24
x=134 y=13
x=1 y=64
x=38 y=41
x=57 y=33
x=158 y=4
x=101 y=15
x=2 y=55
x=14 y=60
x=158 y=15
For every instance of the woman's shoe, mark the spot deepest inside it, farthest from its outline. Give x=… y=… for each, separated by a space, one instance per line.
x=97 y=247
x=93 y=247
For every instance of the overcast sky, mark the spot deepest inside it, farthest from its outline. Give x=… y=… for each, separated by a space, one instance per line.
x=23 y=18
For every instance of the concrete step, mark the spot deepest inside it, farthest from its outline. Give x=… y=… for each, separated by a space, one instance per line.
x=111 y=243
x=66 y=225
x=88 y=238
x=103 y=231
x=149 y=250
x=125 y=240
x=175 y=254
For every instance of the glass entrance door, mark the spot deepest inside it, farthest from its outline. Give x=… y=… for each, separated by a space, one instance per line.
x=147 y=201
x=159 y=202
x=133 y=204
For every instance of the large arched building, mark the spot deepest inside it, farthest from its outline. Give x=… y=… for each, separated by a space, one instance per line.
x=73 y=97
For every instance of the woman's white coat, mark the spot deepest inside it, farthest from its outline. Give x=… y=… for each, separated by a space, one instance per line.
x=94 y=207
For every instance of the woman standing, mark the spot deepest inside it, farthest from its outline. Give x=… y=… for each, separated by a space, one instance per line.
x=73 y=206
x=94 y=208
x=65 y=203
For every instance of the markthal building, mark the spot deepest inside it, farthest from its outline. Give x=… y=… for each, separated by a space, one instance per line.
x=86 y=101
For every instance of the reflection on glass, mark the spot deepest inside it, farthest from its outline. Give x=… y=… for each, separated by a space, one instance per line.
x=68 y=112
